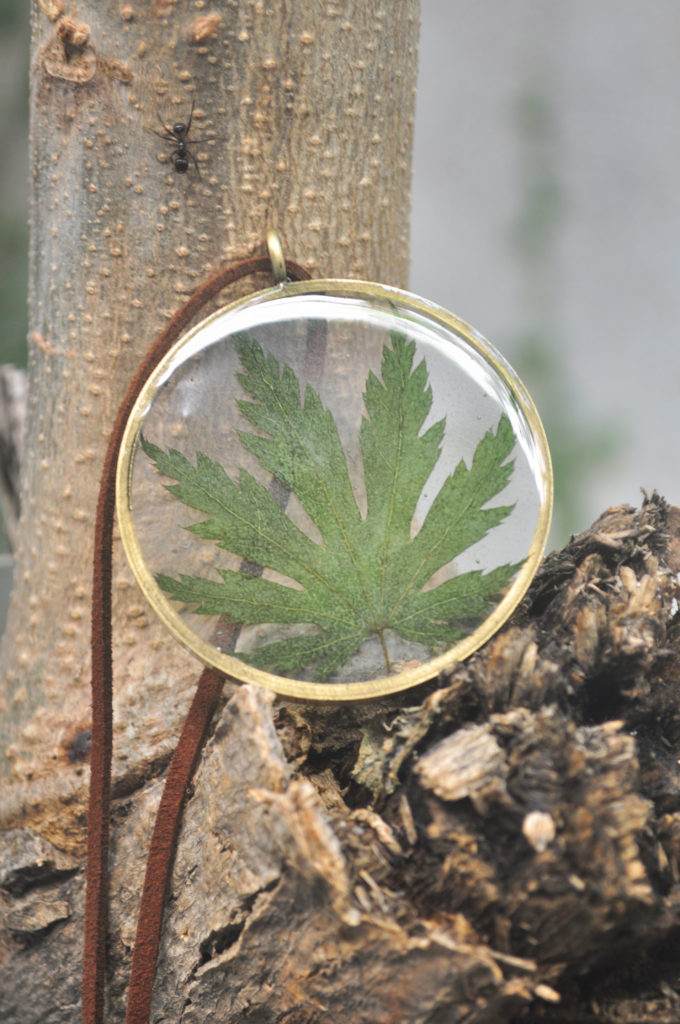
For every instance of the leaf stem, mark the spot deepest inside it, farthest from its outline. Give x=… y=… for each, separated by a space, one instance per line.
x=386 y=656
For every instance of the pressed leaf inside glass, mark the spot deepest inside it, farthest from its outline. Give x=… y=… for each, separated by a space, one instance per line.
x=335 y=489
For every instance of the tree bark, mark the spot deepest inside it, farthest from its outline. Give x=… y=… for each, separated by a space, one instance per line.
x=301 y=118
x=311 y=108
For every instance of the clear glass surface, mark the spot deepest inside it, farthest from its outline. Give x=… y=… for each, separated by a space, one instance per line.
x=412 y=403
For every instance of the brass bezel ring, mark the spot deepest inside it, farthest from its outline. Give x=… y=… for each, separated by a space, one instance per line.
x=341 y=691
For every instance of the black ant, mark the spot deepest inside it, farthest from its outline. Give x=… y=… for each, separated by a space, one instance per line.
x=179 y=135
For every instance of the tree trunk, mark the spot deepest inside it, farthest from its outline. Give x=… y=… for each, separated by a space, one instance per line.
x=311 y=109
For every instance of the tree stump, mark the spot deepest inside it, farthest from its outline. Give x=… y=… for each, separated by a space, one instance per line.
x=503 y=844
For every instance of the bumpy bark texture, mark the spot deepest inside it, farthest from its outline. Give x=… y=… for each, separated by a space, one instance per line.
x=503 y=846
x=302 y=120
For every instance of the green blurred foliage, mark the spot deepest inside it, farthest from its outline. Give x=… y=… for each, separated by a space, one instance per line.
x=13 y=13
x=13 y=287
x=579 y=446
x=14 y=16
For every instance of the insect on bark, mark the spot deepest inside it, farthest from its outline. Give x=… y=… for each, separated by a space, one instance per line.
x=178 y=134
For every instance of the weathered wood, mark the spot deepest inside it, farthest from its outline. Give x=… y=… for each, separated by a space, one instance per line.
x=507 y=845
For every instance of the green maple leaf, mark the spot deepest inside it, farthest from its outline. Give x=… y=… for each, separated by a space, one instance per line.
x=367 y=575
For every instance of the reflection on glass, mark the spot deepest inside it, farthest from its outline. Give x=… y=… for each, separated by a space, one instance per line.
x=333 y=488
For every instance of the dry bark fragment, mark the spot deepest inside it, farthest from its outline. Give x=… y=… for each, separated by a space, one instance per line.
x=507 y=847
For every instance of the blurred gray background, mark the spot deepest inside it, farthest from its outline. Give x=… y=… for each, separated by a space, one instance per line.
x=546 y=212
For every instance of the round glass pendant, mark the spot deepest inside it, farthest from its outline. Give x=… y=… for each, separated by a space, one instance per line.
x=333 y=489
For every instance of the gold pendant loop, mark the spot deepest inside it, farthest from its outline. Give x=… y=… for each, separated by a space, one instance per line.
x=276 y=257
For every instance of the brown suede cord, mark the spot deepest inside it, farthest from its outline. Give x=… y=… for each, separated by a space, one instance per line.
x=163 y=842
x=194 y=732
